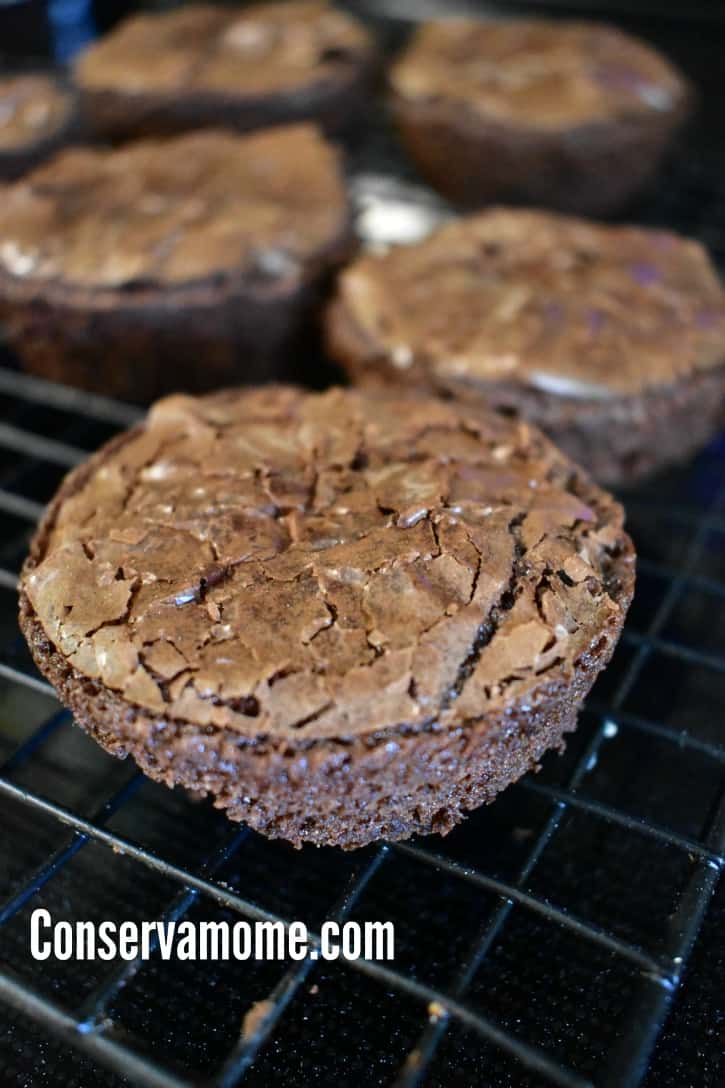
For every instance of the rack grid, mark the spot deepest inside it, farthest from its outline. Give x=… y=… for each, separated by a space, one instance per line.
x=90 y=1025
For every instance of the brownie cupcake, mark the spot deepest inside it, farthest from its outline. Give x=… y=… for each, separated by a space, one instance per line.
x=38 y=113
x=199 y=65
x=180 y=264
x=610 y=338
x=574 y=116
x=345 y=616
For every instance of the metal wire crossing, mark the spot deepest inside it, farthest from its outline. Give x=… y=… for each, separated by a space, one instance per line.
x=91 y=1027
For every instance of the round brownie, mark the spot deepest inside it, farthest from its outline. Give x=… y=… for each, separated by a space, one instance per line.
x=178 y=264
x=199 y=65
x=38 y=113
x=344 y=616
x=610 y=338
x=575 y=116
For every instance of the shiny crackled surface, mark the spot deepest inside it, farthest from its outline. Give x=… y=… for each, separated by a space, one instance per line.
x=176 y=211
x=261 y=50
x=278 y=562
x=31 y=109
x=535 y=73
x=561 y=304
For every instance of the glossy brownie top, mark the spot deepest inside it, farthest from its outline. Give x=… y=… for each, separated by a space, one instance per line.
x=176 y=211
x=278 y=562
x=537 y=74
x=570 y=307
x=259 y=50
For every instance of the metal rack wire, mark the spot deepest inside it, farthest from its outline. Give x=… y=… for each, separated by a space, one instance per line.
x=90 y=1024
x=589 y=882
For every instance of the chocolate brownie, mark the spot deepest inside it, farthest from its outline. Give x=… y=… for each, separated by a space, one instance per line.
x=610 y=338
x=199 y=65
x=38 y=113
x=344 y=616
x=177 y=264
x=575 y=116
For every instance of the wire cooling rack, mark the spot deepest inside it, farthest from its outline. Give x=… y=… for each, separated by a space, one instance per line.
x=544 y=938
x=567 y=935
x=540 y=943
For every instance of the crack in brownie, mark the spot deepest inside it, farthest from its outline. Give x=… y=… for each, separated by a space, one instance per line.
x=345 y=616
x=570 y=115
x=612 y=339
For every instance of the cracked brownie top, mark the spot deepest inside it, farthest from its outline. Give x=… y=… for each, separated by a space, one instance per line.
x=537 y=74
x=559 y=304
x=316 y=565
x=176 y=211
x=265 y=49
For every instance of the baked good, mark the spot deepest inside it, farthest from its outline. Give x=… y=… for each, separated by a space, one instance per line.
x=345 y=616
x=177 y=264
x=610 y=338
x=200 y=65
x=575 y=116
x=38 y=113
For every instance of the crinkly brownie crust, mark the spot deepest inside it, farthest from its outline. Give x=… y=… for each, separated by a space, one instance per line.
x=178 y=264
x=612 y=339
x=200 y=65
x=576 y=116
x=345 y=616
